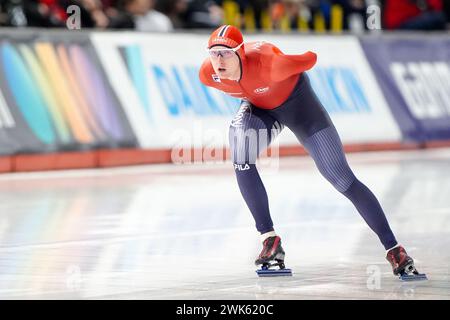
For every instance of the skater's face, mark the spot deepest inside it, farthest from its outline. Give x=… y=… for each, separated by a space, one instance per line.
x=225 y=62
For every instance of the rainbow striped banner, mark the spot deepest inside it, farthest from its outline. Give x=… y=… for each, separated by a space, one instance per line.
x=58 y=97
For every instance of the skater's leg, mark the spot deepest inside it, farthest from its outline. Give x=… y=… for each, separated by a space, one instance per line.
x=304 y=114
x=326 y=149
x=251 y=132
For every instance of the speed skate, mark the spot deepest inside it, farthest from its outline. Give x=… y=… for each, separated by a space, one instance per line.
x=272 y=256
x=403 y=265
x=410 y=273
x=266 y=270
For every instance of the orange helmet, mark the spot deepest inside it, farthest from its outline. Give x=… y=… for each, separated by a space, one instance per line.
x=228 y=36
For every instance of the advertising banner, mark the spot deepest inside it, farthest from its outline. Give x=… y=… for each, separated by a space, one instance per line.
x=54 y=96
x=156 y=80
x=414 y=74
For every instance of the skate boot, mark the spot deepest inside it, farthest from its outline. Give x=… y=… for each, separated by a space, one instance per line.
x=403 y=265
x=272 y=255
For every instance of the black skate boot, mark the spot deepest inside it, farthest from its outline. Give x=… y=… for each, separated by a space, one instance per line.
x=272 y=251
x=403 y=265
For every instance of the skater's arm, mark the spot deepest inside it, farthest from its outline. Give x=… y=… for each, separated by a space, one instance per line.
x=284 y=65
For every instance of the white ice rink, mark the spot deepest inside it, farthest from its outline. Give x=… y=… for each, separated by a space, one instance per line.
x=184 y=232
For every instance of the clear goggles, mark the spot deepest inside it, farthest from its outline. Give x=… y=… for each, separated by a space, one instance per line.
x=223 y=52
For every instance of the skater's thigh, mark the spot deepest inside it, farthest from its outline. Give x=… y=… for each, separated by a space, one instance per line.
x=302 y=112
x=325 y=147
x=251 y=132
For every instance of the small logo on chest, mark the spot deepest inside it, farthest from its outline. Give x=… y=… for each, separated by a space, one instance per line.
x=261 y=90
x=215 y=78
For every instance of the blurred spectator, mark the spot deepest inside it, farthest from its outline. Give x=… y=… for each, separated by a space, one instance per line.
x=293 y=10
x=447 y=12
x=204 y=14
x=258 y=7
x=52 y=13
x=354 y=13
x=95 y=11
x=13 y=13
x=414 y=14
x=29 y=13
x=140 y=15
x=108 y=4
x=175 y=10
x=301 y=9
x=111 y=10
x=165 y=15
x=47 y=13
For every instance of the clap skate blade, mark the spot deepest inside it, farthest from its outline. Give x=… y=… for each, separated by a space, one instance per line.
x=265 y=270
x=411 y=274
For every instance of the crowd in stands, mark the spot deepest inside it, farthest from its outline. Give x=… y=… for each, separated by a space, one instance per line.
x=267 y=15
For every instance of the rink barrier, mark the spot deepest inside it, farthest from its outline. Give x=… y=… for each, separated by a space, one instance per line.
x=54 y=161
x=127 y=157
x=6 y=164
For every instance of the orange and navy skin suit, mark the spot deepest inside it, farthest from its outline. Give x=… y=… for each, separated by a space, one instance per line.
x=276 y=92
x=267 y=75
